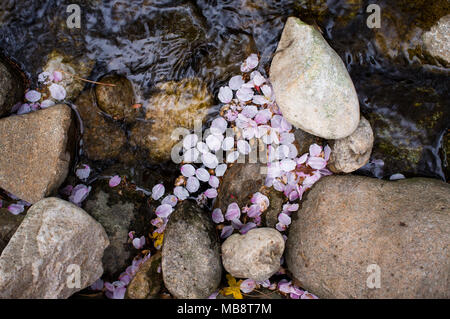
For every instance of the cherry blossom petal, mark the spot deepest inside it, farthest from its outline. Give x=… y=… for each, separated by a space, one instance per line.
x=187 y=170
x=228 y=143
x=317 y=162
x=202 y=174
x=47 y=103
x=280 y=227
x=302 y=159
x=190 y=141
x=236 y=82
x=24 y=109
x=214 y=181
x=288 y=165
x=164 y=210
x=249 y=111
x=327 y=152
x=83 y=173
x=225 y=94
x=214 y=143
x=287 y=138
x=57 y=92
x=172 y=200
x=284 y=219
x=396 y=177
x=263 y=116
x=257 y=78
x=15 y=209
x=79 y=193
x=233 y=212
x=232 y=157
x=244 y=94
x=211 y=193
x=33 y=96
x=250 y=63
x=114 y=181
x=278 y=185
x=246 y=227
x=315 y=150
x=248 y=285
x=293 y=152
x=217 y=216
x=218 y=126
x=226 y=231
x=243 y=147
x=138 y=243
x=210 y=160
x=202 y=147
x=191 y=155
x=57 y=76
x=192 y=184
x=181 y=192
x=220 y=170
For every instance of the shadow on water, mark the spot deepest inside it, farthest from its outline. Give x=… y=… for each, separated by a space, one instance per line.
x=402 y=91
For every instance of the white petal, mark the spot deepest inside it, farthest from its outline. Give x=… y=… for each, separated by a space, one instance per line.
x=191 y=155
x=202 y=147
x=243 y=147
x=228 y=143
x=192 y=184
x=187 y=170
x=236 y=82
x=287 y=165
x=57 y=92
x=190 y=141
x=213 y=142
x=220 y=169
x=244 y=94
x=219 y=126
x=232 y=157
x=202 y=174
x=210 y=160
x=225 y=94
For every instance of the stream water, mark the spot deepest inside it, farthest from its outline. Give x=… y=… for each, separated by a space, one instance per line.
x=404 y=96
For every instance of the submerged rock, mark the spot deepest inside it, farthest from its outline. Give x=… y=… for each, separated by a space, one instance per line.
x=255 y=255
x=352 y=152
x=174 y=105
x=116 y=216
x=437 y=39
x=304 y=140
x=348 y=223
x=56 y=242
x=35 y=152
x=240 y=182
x=8 y=226
x=11 y=89
x=103 y=138
x=147 y=282
x=116 y=101
x=312 y=86
x=190 y=254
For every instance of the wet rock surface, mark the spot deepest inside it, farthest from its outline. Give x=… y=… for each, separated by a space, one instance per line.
x=117 y=101
x=190 y=254
x=173 y=105
x=35 y=152
x=350 y=222
x=8 y=226
x=116 y=217
x=54 y=235
x=352 y=152
x=103 y=138
x=255 y=255
x=322 y=100
x=148 y=281
x=239 y=183
x=11 y=90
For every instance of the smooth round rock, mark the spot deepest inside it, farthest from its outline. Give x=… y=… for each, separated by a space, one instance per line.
x=352 y=152
x=190 y=254
x=352 y=229
x=255 y=255
x=313 y=88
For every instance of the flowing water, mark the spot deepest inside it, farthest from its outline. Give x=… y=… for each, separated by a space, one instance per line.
x=401 y=91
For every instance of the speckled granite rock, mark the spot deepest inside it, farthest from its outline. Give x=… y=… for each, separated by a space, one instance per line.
x=35 y=152
x=41 y=259
x=350 y=222
x=190 y=254
x=147 y=282
x=255 y=255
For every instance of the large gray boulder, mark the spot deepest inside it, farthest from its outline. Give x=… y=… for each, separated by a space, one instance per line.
x=191 y=253
x=35 y=152
x=348 y=223
x=56 y=241
x=312 y=86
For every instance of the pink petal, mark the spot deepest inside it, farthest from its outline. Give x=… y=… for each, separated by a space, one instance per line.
x=15 y=209
x=214 y=181
x=181 y=192
x=83 y=173
x=245 y=228
x=317 y=162
x=226 y=232
x=33 y=96
x=225 y=94
x=192 y=184
x=187 y=170
x=315 y=150
x=171 y=200
x=164 y=210
x=202 y=174
x=217 y=216
x=284 y=219
x=57 y=92
x=233 y=212
x=158 y=191
x=248 y=285
x=114 y=181
x=236 y=82
x=211 y=193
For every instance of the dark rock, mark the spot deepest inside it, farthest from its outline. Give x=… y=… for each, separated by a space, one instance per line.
x=11 y=89
x=350 y=222
x=116 y=101
x=191 y=253
x=303 y=140
x=147 y=282
x=8 y=226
